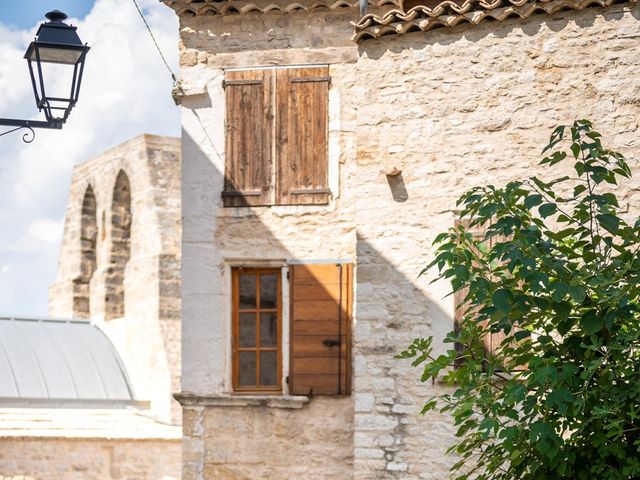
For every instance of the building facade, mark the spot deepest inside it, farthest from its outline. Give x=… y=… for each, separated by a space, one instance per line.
x=323 y=150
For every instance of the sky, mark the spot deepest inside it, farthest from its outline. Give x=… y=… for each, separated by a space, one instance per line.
x=126 y=91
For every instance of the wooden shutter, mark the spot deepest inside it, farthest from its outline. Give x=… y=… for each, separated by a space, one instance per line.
x=302 y=133
x=493 y=340
x=321 y=299
x=249 y=138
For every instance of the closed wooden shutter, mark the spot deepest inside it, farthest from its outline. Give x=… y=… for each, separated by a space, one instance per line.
x=321 y=299
x=302 y=132
x=249 y=138
x=493 y=340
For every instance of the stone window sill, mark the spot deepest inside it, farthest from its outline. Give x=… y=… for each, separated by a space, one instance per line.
x=276 y=210
x=293 y=402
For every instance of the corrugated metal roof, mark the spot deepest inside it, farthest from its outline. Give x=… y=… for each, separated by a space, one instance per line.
x=59 y=362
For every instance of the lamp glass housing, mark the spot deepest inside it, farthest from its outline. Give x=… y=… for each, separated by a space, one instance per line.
x=56 y=45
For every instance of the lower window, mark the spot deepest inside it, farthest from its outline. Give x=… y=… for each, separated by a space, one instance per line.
x=257 y=327
x=320 y=297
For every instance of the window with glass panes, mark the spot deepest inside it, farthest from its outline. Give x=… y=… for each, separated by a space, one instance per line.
x=257 y=320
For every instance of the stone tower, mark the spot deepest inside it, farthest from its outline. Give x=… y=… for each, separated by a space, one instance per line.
x=120 y=260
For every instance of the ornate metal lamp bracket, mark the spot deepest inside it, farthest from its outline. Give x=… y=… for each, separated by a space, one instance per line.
x=29 y=125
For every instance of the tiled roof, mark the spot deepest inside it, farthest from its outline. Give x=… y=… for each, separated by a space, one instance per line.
x=228 y=7
x=395 y=17
x=449 y=13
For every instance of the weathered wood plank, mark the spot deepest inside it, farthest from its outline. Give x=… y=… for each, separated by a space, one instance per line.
x=249 y=138
x=321 y=297
x=302 y=126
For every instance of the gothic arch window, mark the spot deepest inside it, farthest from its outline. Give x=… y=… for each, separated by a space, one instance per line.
x=120 y=248
x=88 y=238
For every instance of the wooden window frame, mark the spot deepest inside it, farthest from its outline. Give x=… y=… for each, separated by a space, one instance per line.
x=278 y=189
x=235 y=323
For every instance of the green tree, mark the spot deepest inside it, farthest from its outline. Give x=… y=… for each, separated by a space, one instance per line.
x=561 y=396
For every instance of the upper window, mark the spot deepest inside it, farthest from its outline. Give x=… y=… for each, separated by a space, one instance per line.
x=276 y=137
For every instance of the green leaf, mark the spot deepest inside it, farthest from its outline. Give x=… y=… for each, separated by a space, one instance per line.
x=611 y=199
x=547 y=209
x=578 y=189
x=609 y=222
x=575 y=149
x=532 y=200
x=578 y=293
x=562 y=310
x=502 y=300
x=592 y=322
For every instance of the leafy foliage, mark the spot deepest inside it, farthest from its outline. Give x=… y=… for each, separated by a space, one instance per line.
x=561 y=396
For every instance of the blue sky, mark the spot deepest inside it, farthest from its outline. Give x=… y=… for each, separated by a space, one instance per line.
x=126 y=91
x=23 y=14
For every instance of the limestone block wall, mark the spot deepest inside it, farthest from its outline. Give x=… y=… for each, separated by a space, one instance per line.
x=237 y=442
x=251 y=442
x=132 y=288
x=89 y=459
x=453 y=109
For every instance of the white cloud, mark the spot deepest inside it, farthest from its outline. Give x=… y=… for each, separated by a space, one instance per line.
x=125 y=92
x=46 y=230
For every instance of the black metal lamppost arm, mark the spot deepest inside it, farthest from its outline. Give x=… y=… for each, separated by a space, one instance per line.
x=56 y=43
x=29 y=125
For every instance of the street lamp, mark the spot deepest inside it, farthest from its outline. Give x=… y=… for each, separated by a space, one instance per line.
x=56 y=51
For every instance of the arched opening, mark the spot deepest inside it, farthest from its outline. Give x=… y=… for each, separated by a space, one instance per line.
x=120 y=248
x=88 y=239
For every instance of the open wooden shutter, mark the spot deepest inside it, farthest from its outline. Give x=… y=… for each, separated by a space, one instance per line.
x=249 y=129
x=302 y=129
x=321 y=298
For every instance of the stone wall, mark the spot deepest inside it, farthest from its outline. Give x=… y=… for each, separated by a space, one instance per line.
x=451 y=109
x=123 y=270
x=88 y=459
x=231 y=442
x=249 y=442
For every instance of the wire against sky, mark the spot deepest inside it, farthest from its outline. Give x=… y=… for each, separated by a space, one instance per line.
x=173 y=75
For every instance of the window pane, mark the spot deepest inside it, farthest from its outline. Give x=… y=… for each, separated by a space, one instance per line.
x=247 y=327
x=268 y=329
x=268 y=368
x=268 y=290
x=247 y=369
x=247 y=292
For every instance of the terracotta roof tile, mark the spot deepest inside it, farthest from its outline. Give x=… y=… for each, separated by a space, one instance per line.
x=230 y=7
x=449 y=13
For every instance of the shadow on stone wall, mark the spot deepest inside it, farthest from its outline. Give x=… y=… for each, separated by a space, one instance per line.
x=383 y=432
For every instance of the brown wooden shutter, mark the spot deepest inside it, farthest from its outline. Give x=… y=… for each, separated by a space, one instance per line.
x=302 y=133
x=493 y=340
x=249 y=140
x=321 y=299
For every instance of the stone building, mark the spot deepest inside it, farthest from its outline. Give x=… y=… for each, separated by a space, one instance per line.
x=91 y=397
x=323 y=149
x=119 y=263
